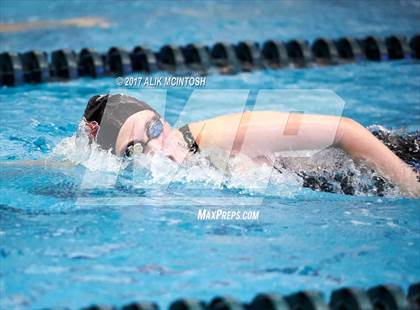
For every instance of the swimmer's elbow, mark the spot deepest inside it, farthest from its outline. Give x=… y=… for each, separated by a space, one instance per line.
x=348 y=132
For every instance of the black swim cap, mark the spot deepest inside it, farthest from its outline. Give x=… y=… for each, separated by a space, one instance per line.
x=110 y=112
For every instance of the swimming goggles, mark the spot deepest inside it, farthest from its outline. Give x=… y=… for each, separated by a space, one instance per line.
x=154 y=129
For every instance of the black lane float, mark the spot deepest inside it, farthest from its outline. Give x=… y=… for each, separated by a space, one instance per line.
x=197 y=58
x=347 y=298
x=227 y=58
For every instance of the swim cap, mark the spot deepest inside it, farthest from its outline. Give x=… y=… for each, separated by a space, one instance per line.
x=110 y=112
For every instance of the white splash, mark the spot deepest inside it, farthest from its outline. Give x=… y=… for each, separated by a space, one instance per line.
x=79 y=151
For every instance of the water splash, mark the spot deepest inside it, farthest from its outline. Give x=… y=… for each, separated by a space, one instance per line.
x=78 y=150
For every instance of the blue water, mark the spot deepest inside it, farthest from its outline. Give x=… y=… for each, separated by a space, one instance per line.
x=57 y=251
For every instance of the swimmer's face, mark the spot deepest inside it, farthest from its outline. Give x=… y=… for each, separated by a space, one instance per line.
x=152 y=132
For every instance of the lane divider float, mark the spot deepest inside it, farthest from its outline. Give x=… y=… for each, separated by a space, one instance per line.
x=347 y=298
x=227 y=58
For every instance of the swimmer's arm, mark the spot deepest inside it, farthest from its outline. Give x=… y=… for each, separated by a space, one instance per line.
x=292 y=131
x=359 y=142
x=265 y=132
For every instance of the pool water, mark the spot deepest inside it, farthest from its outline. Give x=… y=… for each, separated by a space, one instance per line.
x=67 y=244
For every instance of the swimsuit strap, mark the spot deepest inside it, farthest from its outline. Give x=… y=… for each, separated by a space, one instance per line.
x=186 y=134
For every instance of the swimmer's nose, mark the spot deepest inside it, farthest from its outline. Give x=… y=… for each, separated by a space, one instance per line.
x=157 y=146
x=154 y=146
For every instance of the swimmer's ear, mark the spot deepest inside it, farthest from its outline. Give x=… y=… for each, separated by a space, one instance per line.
x=95 y=108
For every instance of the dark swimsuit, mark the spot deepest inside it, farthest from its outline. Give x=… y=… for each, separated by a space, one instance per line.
x=189 y=139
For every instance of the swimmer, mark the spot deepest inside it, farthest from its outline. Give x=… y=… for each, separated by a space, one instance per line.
x=128 y=126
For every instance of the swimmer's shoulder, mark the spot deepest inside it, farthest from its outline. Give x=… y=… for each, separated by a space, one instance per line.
x=235 y=118
x=221 y=129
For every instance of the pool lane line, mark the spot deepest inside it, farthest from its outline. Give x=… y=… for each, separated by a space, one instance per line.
x=223 y=57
